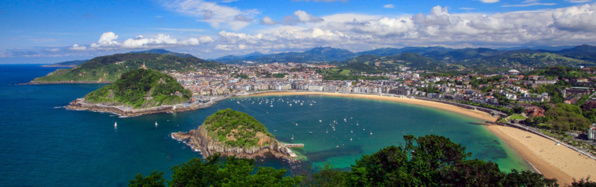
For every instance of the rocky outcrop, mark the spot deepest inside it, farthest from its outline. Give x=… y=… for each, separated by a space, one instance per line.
x=199 y=139
x=80 y=104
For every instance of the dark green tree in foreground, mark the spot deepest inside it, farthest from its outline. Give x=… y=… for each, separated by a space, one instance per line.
x=424 y=161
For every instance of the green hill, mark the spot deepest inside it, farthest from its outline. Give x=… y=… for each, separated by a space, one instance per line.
x=141 y=88
x=110 y=68
x=237 y=129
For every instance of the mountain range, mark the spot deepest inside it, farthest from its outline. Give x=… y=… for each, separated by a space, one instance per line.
x=579 y=55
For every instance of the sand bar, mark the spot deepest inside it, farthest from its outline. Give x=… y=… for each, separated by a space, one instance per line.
x=554 y=161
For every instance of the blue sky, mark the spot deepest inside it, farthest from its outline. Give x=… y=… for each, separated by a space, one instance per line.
x=53 y=31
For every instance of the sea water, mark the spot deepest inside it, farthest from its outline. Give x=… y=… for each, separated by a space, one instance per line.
x=43 y=144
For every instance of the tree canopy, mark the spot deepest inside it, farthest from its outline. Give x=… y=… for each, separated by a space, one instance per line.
x=141 y=88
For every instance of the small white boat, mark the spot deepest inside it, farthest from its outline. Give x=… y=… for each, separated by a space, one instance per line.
x=296 y=124
x=350 y=139
x=271 y=106
x=156 y=124
x=371 y=132
x=292 y=136
x=115 y=124
x=309 y=132
x=320 y=121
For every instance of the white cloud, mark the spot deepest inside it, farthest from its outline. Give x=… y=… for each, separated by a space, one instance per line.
x=357 y=32
x=76 y=47
x=218 y=16
x=300 y=17
x=268 y=21
x=107 y=39
x=580 y=18
x=489 y=1
x=389 y=6
x=527 y=3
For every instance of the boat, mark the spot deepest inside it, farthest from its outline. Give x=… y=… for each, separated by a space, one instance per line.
x=156 y=124
x=309 y=132
x=351 y=131
x=371 y=132
x=320 y=121
x=115 y=124
x=350 y=139
x=292 y=136
x=271 y=106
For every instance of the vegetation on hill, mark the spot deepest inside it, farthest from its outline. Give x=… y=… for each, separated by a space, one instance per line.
x=141 y=88
x=318 y=54
x=71 y=63
x=110 y=68
x=236 y=128
x=424 y=161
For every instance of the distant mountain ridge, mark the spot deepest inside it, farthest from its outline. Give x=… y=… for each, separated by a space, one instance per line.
x=317 y=54
x=579 y=55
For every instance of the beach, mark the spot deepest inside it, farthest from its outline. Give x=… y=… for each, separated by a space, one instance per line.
x=554 y=161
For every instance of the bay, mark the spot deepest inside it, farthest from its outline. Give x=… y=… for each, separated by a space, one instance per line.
x=46 y=145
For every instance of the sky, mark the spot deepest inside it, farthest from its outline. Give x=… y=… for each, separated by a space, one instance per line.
x=42 y=32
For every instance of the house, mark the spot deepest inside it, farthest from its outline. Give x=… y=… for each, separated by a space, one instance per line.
x=589 y=105
x=531 y=110
x=592 y=132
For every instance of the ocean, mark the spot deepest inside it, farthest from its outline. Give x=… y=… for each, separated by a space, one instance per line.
x=43 y=144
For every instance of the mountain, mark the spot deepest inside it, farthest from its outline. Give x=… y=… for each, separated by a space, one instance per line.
x=109 y=68
x=141 y=88
x=366 y=63
x=318 y=54
x=532 y=58
x=68 y=64
x=583 y=52
x=164 y=52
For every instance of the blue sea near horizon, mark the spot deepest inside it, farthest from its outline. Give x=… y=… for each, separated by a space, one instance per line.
x=46 y=145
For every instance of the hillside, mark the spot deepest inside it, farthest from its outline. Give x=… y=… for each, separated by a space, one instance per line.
x=70 y=64
x=109 y=68
x=237 y=129
x=141 y=88
x=233 y=133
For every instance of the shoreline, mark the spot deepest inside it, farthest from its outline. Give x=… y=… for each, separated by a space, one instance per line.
x=551 y=160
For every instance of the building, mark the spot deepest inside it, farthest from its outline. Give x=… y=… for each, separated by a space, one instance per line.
x=592 y=132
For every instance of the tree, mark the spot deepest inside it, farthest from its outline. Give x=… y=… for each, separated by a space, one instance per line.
x=154 y=179
x=518 y=109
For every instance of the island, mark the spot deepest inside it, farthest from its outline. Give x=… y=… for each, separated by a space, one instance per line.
x=233 y=133
x=138 y=92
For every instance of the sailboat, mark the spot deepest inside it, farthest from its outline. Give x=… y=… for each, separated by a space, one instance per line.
x=115 y=124
x=292 y=136
x=156 y=124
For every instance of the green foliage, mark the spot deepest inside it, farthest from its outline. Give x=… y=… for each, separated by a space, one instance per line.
x=565 y=117
x=110 y=68
x=223 y=122
x=154 y=179
x=425 y=161
x=135 y=85
x=518 y=109
x=560 y=71
x=553 y=92
x=232 y=172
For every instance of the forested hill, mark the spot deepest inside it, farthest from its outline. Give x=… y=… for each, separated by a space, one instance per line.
x=109 y=68
x=236 y=129
x=141 y=88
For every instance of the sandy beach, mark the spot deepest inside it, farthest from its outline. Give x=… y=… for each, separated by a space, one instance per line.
x=554 y=161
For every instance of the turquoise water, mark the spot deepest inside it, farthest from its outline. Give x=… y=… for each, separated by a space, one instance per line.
x=45 y=145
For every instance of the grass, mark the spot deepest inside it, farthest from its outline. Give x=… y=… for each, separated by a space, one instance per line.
x=517 y=116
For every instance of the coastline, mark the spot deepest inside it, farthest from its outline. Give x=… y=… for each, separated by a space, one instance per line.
x=553 y=161
x=80 y=104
